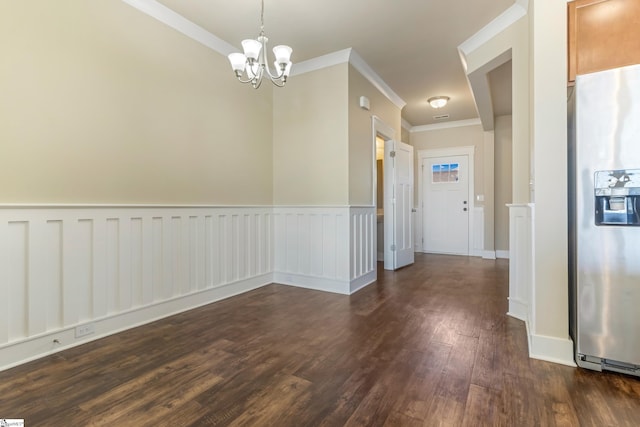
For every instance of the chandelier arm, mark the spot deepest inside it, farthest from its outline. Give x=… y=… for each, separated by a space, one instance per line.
x=278 y=82
x=278 y=76
x=244 y=81
x=257 y=82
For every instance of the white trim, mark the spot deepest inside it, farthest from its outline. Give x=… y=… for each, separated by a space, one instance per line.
x=489 y=255
x=502 y=254
x=324 y=61
x=324 y=284
x=495 y=27
x=361 y=282
x=543 y=347
x=445 y=125
x=445 y=152
x=388 y=133
x=518 y=309
x=311 y=282
x=373 y=78
x=551 y=349
x=531 y=267
x=352 y=57
x=181 y=24
x=406 y=125
x=378 y=126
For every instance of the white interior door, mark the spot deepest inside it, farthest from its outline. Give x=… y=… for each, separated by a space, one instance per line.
x=398 y=205
x=445 y=183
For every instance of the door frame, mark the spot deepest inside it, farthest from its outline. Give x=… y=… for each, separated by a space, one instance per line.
x=468 y=151
x=378 y=127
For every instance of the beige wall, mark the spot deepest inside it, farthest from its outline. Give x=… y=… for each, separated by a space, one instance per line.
x=406 y=136
x=361 y=142
x=454 y=137
x=103 y=104
x=549 y=136
x=503 y=177
x=310 y=134
x=515 y=39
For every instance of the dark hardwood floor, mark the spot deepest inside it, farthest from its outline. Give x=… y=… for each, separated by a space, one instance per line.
x=427 y=345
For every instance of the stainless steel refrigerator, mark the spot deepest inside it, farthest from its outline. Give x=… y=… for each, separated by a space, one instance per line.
x=604 y=153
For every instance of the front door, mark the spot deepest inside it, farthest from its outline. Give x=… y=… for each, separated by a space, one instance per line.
x=398 y=205
x=445 y=183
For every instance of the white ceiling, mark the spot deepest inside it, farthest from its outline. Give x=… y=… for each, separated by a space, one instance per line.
x=410 y=44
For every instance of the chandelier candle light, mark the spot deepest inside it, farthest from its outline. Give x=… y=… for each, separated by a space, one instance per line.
x=251 y=66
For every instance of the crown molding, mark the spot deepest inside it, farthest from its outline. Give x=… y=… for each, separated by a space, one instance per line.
x=178 y=22
x=181 y=24
x=406 y=125
x=445 y=125
x=320 y=62
x=351 y=56
x=495 y=27
x=373 y=78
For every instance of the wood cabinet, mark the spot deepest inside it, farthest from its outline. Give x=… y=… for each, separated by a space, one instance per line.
x=603 y=34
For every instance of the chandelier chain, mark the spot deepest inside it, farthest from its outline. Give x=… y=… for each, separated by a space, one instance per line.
x=262 y=19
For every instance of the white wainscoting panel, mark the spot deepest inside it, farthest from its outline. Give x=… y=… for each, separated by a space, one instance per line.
x=325 y=248
x=520 y=240
x=118 y=267
x=362 y=247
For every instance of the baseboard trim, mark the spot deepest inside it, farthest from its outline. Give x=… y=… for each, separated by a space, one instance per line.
x=543 y=347
x=551 y=349
x=517 y=309
x=312 y=282
x=362 y=281
x=32 y=348
x=502 y=254
x=476 y=252
x=489 y=254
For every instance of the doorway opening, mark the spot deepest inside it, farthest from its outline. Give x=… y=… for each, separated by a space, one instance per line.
x=381 y=132
x=379 y=199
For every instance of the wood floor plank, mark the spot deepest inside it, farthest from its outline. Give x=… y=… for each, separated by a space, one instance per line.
x=429 y=344
x=484 y=408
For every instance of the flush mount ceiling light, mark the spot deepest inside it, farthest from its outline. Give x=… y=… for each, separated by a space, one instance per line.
x=251 y=66
x=438 y=101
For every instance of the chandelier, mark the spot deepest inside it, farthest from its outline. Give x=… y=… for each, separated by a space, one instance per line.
x=251 y=66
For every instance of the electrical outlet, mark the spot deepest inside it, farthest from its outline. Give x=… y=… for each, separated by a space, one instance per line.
x=84 y=330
